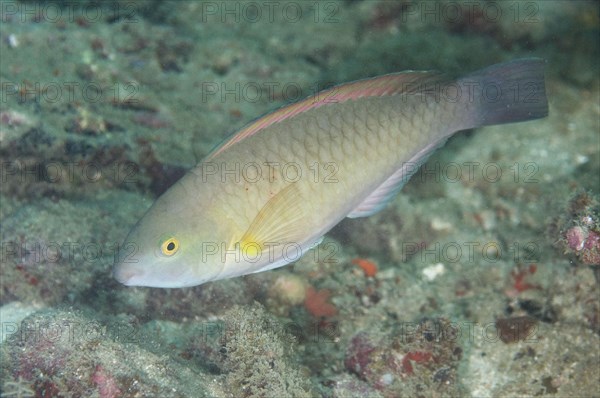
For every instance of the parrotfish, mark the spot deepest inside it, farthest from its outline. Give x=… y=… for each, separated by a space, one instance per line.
x=269 y=193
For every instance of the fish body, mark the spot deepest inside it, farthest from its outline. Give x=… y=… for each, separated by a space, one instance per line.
x=268 y=194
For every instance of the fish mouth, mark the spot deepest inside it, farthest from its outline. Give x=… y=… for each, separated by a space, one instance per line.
x=140 y=276
x=124 y=275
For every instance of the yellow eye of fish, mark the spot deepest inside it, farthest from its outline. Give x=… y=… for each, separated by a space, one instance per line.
x=169 y=246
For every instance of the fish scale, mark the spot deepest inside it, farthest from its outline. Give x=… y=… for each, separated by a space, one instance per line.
x=219 y=222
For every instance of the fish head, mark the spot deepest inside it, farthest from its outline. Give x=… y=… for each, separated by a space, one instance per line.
x=171 y=246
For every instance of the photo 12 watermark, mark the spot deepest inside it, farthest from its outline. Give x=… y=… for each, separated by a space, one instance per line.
x=31 y=253
x=469 y=252
x=68 y=332
x=22 y=171
x=52 y=92
x=470 y=12
x=255 y=172
x=325 y=12
x=81 y=12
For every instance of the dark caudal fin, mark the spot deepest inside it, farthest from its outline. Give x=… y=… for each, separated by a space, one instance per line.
x=509 y=92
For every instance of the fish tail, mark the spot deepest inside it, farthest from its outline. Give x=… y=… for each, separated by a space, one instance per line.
x=509 y=92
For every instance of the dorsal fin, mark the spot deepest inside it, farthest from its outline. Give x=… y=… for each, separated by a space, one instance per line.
x=386 y=85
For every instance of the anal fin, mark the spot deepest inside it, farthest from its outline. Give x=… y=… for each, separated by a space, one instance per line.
x=385 y=192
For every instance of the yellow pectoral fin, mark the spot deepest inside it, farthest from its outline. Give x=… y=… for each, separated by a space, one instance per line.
x=251 y=248
x=280 y=221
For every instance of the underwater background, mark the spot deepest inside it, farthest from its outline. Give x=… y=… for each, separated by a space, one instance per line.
x=479 y=279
